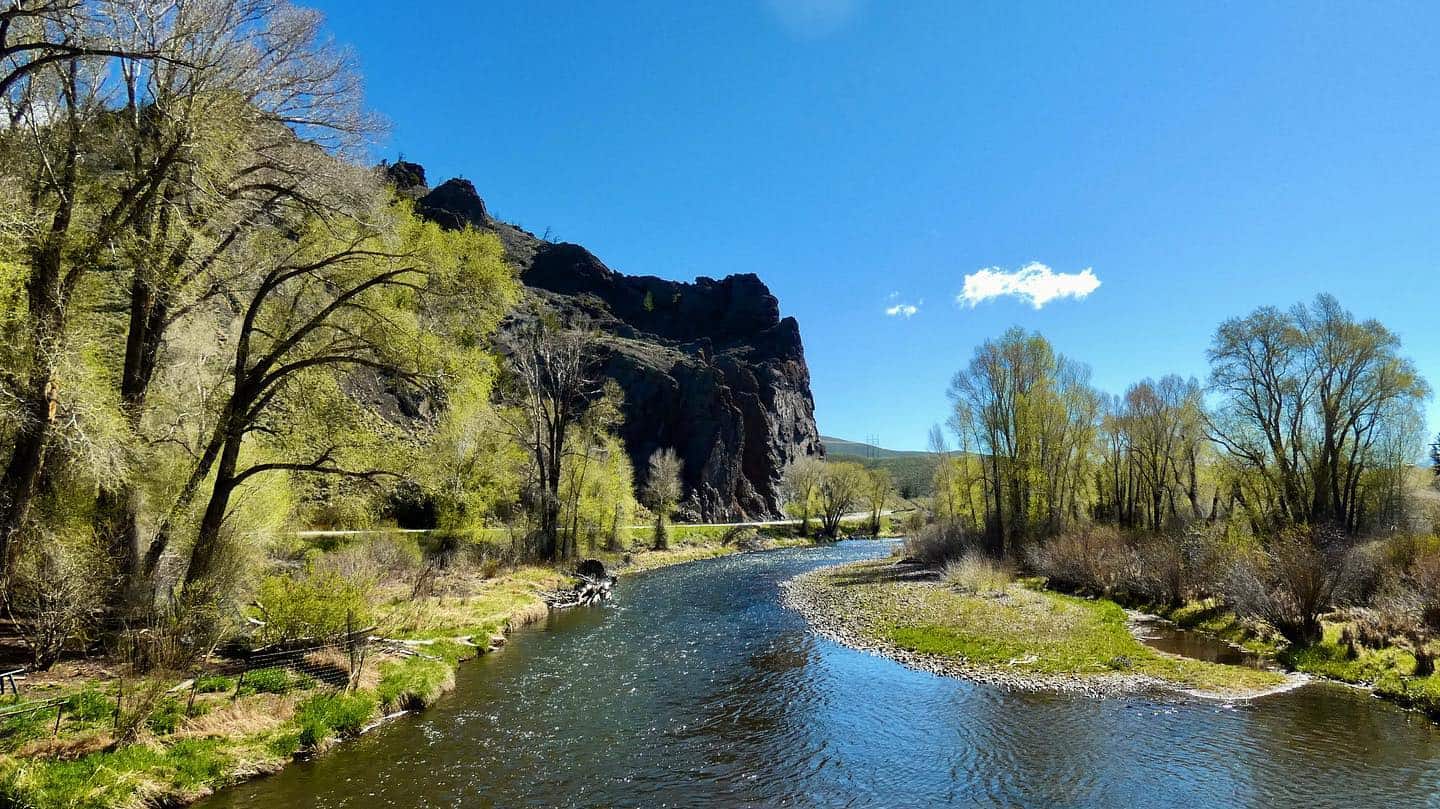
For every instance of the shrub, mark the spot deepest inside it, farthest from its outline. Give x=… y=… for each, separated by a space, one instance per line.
x=937 y=543
x=1290 y=582
x=977 y=573
x=53 y=597
x=1097 y=561
x=319 y=604
x=325 y=715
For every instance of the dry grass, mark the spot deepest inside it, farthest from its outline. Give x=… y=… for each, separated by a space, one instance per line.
x=978 y=574
x=252 y=716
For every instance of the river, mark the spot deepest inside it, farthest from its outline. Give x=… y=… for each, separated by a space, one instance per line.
x=697 y=688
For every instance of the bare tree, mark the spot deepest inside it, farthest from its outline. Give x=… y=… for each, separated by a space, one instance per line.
x=556 y=378
x=663 y=489
x=799 y=484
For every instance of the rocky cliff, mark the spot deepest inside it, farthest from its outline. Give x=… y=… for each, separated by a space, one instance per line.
x=709 y=368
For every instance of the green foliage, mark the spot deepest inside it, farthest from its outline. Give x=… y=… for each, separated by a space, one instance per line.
x=124 y=777
x=214 y=684
x=324 y=716
x=165 y=718
x=317 y=604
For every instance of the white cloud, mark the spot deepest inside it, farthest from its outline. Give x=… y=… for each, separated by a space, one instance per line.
x=813 y=19
x=901 y=309
x=1034 y=283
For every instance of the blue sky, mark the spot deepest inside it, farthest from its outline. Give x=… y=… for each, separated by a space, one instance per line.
x=1200 y=159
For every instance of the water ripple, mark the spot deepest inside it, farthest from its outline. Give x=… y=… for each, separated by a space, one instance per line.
x=698 y=689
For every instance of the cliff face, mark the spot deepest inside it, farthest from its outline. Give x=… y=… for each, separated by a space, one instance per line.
x=708 y=368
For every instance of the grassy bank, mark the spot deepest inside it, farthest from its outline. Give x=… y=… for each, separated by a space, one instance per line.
x=1016 y=635
x=180 y=750
x=1388 y=669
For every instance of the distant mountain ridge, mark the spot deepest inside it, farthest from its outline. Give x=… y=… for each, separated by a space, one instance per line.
x=914 y=471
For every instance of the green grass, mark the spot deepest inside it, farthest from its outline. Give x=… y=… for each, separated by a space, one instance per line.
x=1024 y=631
x=324 y=716
x=274 y=681
x=134 y=776
x=1389 y=671
x=414 y=683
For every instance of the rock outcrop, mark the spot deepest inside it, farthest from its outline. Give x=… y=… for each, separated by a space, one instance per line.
x=709 y=368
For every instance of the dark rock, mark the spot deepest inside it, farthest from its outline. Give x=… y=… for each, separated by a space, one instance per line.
x=407 y=178
x=454 y=205
x=709 y=368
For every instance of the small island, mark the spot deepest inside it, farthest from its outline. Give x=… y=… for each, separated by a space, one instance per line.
x=979 y=623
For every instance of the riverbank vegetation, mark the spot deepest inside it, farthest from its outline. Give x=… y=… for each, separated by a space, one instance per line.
x=976 y=621
x=1278 y=505
x=219 y=326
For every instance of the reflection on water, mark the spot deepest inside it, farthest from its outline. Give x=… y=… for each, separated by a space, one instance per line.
x=697 y=688
x=1167 y=637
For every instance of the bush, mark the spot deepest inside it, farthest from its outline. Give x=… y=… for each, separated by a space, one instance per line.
x=319 y=604
x=325 y=715
x=1096 y=561
x=1290 y=582
x=937 y=543
x=977 y=573
x=53 y=596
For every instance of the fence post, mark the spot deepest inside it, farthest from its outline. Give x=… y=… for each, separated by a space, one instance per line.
x=239 y=681
x=119 y=699
x=59 y=712
x=194 y=687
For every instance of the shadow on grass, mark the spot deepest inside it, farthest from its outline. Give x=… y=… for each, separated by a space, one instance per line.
x=884 y=573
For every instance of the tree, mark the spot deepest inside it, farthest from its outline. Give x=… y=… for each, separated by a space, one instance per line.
x=1031 y=416
x=245 y=115
x=1308 y=396
x=333 y=299
x=555 y=379
x=662 y=491
x=879 y=487
x=841 y=487
x=799 y=485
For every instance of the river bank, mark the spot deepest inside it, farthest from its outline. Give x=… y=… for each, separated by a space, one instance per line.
x=209 y=732
x=1018 y=638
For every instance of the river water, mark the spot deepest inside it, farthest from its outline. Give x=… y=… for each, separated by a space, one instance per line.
x=697 y=688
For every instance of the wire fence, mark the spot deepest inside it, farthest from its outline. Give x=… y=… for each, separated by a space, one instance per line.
x=335 y=665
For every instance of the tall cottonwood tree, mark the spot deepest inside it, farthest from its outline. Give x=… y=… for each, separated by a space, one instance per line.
x=1307 y=399
x=1031 y=416
x=799 y=484
x=250 y=108
x=333 y=299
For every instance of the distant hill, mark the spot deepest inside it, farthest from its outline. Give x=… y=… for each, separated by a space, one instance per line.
x=913 y=471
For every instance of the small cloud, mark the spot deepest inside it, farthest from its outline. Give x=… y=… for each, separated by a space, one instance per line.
x=899 y=308
x=1034 y=283
x=813 y=19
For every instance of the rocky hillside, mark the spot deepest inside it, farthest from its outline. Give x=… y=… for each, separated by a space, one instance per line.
x=709 y=368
